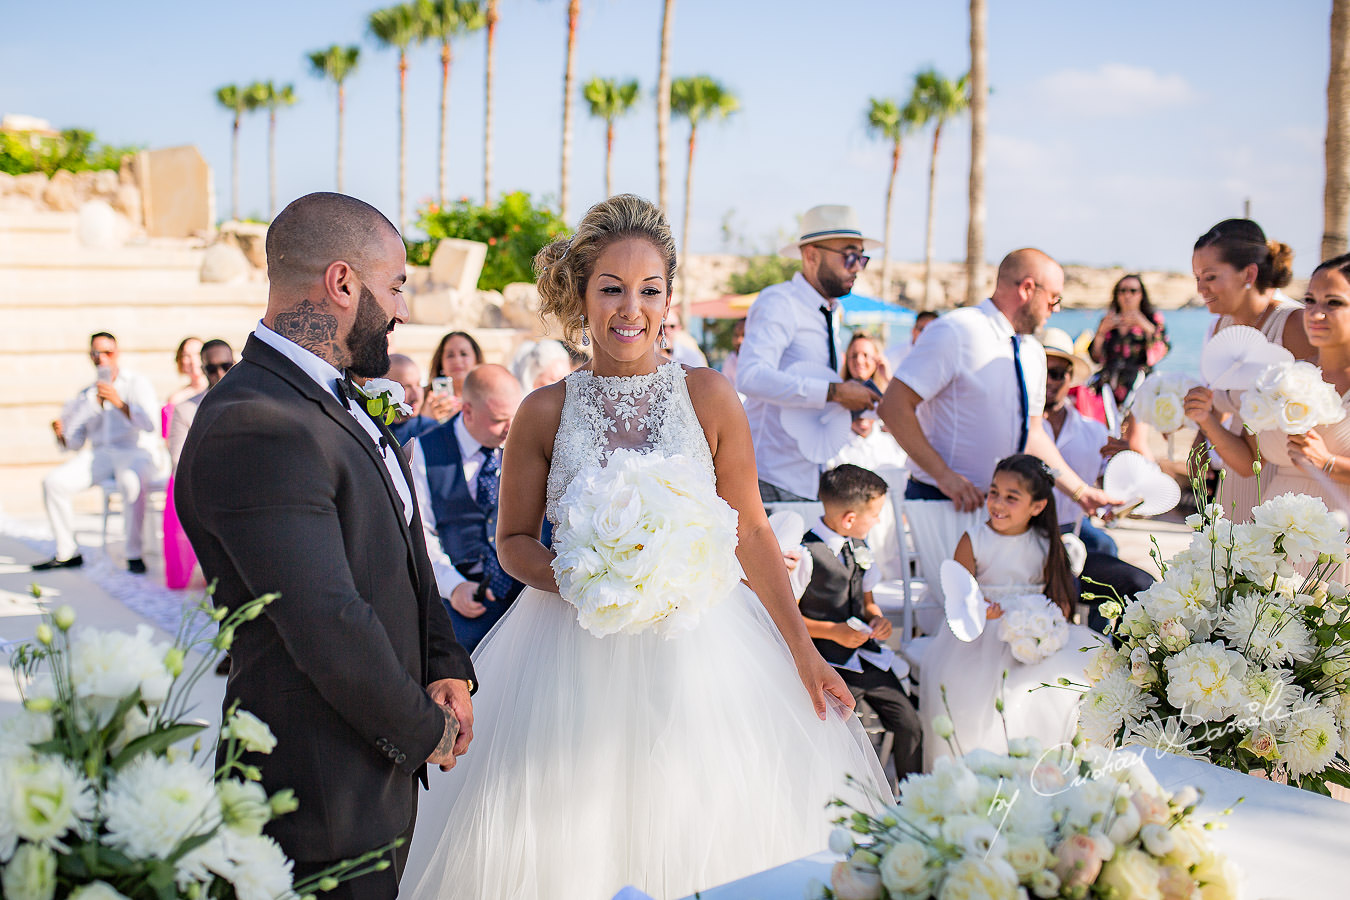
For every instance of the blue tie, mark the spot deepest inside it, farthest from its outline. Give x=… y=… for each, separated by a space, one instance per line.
x=1021 y=394
x=486 y=489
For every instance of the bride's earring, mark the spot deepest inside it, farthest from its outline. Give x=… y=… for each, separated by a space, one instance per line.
x=1247 y=286
x=585 y=338
x=661 y=332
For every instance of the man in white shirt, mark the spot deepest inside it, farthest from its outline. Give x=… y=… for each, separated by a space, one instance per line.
x=971 y=393
x=896 y=353
x=798 y=321
x=110 y=416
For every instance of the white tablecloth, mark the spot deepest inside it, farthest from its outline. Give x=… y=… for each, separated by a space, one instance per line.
x=1289 y=843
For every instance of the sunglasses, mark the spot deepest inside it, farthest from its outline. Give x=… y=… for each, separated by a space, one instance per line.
x=851 y=257
x=213 y=368
x=1057 y=374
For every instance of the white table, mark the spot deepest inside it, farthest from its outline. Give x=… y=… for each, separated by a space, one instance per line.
x=1289 y=843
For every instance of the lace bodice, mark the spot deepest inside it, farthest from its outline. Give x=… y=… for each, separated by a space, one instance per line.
x=601 y=414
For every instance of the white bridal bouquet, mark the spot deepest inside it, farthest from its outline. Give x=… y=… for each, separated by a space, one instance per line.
x=1054 y=822
x=1234 y=657
x=1160 y=400
x=1033 y=628
x=1291 y=397
x=98 y=800
x=645 y=543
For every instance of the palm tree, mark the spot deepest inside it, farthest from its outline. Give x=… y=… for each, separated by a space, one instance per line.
x=887 y=119
x=491 y=23
x=399 y=27
x=336 y=63
x=609 y=100
x=445 y=20
x=663 y=110
x=569 y=84
x=238 y=100
x=273 y=98
x=1336 y=196
x=979 y=93
x=936 y=99
x=696 y=98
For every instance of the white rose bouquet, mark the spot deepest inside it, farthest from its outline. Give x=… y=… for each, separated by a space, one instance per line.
x=1160 y=400
x=1291 y=397
x=1036 y=823
x=1233 y=657
x=1033 y=628
x=646 y=543
x=98 y=800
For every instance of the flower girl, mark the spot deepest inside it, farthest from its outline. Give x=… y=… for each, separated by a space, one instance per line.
x=1019 y=562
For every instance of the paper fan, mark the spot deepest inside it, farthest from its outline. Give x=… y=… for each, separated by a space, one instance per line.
x=1234 y=357
x=820 y=433
x=1145 y=489
x=788 y=527
x=963 y=600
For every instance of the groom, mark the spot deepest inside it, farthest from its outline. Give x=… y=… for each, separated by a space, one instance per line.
x=286 y=485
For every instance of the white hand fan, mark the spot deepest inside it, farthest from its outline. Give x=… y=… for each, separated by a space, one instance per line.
x=788 y=527
x=1233 y=358
x=964 y=601
x=820 y=433
x=1145 y=489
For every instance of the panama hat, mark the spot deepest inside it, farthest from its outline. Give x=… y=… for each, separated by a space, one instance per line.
x=823 y=223
x=1057 y=342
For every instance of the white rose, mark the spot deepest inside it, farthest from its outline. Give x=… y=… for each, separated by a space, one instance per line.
x=1260 y=411
x=1218 y=877
x=1157 y=839
x=1297 y=417
x=30 y=874
x=1133 y=873
x=841 y=841
x=251 y=732
x=850 y=883
x=1045 y=884
x=1167 y=412
x=904 y=868
x=614 y=521
x=979 y=879
x=1027 y=854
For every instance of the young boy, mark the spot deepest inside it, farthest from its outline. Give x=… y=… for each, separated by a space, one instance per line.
x=841 y=617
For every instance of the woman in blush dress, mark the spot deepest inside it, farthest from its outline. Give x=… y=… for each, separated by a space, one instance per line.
x=179 y=559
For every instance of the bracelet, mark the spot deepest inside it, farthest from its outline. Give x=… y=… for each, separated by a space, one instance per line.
x=1329 y=464
x=1078 y=492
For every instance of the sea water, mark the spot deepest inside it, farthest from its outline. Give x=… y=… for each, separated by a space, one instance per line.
x=1186 y=329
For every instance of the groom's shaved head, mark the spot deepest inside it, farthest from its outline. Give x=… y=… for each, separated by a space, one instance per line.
x=319 y=229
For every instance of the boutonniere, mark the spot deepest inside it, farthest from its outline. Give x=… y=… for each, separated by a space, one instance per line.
x=384 y=399
x=862 y=555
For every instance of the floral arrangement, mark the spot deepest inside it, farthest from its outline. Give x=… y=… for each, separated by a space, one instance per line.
x=384 y=399
x=1291 y=397
x=1160 y=400
x=101 y=802
x=1033 y=628
x=1056 y=822
x=646 y=543
x=1233 y=656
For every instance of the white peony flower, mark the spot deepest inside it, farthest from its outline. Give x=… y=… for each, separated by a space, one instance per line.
x=43 y=798
x=1185 y=594
x=1205 y=681
x=251 y=732
x=1303 y=527
x=30 y=874
x=153 y=805
x=1310 y=739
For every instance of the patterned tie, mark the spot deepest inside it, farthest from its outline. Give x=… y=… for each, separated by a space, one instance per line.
x=486 y=489
x=1022 y=400
x=829 y=336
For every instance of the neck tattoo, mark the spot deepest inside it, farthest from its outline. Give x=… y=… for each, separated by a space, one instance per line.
x=314 y=328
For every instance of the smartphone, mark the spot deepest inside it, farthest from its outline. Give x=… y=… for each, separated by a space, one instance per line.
x=858 y=624
x=442 y=384
x=105 y=374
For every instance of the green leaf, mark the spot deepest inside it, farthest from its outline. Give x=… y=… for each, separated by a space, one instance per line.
x=155 y=742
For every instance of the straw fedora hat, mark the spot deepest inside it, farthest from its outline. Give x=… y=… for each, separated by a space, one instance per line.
x=823 y=223
x=1057 y=342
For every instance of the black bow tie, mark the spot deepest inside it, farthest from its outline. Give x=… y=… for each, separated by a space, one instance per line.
x=350 y=393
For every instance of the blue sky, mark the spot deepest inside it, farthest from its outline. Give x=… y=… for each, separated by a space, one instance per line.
x=1119 y=131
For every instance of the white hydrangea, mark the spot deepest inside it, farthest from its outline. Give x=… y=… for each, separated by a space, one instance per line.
x=1310 y=739
x=1267 y=629
x=154 y=804
x=1205 y=681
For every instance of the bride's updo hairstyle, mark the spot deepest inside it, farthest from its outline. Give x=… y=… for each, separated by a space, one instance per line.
x=564 y=266
x=1242 y=243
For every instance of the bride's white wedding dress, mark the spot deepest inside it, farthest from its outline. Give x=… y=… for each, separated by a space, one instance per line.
x=673 y=764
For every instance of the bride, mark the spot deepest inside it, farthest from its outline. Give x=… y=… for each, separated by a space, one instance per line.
x=673 y=763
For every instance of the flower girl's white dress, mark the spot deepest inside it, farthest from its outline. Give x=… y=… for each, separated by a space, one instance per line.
x=670 y=764
x=972 y=673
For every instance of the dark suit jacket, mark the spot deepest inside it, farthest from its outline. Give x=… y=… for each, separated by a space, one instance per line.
x=280 y=489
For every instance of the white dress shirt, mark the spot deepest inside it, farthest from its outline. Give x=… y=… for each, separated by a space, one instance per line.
x=784 y=326
x=885 y=658
x=85 y=420
x=1080 y=442
x=471 y=459
x=327 y=377
x=962 y=368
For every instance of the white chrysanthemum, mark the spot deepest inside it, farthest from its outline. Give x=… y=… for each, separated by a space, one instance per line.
x=42 y=798
x=1267 y=630
x=1303 y=525
x=1310 y=739
x=20 y=731
x=107 y=666
x=153 y=805
x=1186 y=594
x=1267 y=694
x=1205 y=680
x=1110 y=703
x=259 y=870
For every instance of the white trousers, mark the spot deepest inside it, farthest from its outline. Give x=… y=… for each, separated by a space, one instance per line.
x=937 y=528
x=133 y=468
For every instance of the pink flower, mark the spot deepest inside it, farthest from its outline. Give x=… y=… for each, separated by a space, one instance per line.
x=1078 y=861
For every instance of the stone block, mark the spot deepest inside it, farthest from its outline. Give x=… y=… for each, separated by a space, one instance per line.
x=457 y=264
x=250 y=237
x=60 y=193
x=176 y=192
x=100 y=226
x=31 y=185
x=520 y=305
x=438 y=306
x=224 y=263
x=106 y=182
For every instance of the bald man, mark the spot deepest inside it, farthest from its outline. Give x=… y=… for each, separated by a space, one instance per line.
x=406 y=372
x=969 y=394
x=455 y=473
x=286 y=485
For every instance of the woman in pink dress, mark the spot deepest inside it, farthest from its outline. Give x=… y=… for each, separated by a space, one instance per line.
x=179 y=559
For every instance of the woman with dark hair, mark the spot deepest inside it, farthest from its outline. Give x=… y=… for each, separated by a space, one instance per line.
x=456 y=355
x=1239 y=273
x=1130 y=340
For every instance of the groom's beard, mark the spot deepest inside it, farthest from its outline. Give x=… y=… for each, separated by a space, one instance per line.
x=368 y=341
